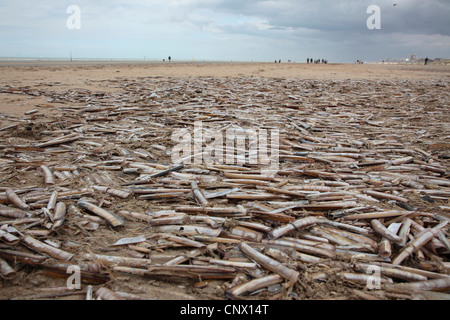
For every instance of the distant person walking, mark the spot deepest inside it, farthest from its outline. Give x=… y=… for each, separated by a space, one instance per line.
x=426 y=60
x=170 y=59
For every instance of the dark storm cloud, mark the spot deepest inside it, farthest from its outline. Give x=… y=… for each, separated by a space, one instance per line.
x=339 y=27
x=412 y=16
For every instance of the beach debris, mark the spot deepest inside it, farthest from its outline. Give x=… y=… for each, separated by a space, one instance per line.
x=130 y=183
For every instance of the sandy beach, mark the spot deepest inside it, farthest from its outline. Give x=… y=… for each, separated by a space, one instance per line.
x=86 y=74
x=354 y=139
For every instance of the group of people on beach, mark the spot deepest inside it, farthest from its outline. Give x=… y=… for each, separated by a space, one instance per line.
x=311 y=60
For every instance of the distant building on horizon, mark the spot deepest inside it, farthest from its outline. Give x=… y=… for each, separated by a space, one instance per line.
x=414 y=59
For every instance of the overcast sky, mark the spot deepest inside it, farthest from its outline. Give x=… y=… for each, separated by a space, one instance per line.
x=245 y=30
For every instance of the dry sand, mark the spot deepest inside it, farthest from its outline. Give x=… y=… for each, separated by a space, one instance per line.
x=92 y=76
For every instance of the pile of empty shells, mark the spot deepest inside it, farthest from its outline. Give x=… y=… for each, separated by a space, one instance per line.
x=358 y=206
